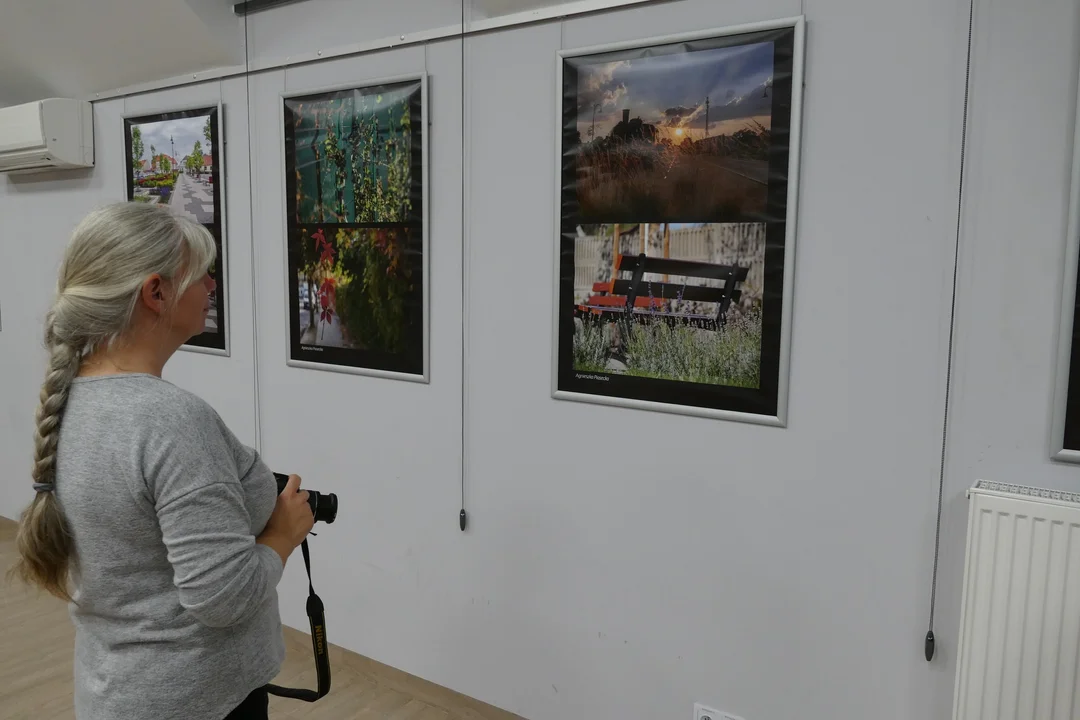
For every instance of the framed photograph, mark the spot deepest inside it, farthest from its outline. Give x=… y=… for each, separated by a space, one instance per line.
x=356 y=225
x=175 y=159
x=678 y=163
x=1065 y=443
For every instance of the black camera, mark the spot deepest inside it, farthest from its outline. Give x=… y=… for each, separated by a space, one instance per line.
x=323 y=505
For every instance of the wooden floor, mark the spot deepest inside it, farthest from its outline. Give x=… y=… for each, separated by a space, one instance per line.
x=35 y=669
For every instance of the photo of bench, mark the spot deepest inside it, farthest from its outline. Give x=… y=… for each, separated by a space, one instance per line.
x=633 y=297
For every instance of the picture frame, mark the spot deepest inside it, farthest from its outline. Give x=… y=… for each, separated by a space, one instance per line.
x=1065 y=419
x=202 y=192
x=600 y=208
x=412 y=364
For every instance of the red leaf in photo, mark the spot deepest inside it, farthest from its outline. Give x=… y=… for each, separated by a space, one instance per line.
x=328 y=297
x=326 y=250
x=380 y=239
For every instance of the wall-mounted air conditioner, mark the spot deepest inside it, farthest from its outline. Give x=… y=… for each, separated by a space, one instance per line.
x=56 y=133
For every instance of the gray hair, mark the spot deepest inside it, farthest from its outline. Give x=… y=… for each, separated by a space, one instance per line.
x=111 y=254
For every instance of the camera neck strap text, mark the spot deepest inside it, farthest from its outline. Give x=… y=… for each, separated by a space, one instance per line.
x=316 y=617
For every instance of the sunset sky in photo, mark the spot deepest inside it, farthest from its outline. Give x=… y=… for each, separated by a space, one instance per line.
x=669 y=91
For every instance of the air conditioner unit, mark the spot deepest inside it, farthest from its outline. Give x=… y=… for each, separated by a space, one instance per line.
x=56 y=133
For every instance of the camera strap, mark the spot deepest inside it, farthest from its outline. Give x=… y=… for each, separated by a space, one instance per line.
x=318 y=642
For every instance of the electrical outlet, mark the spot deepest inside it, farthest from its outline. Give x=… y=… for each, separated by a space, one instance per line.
x=705 y=713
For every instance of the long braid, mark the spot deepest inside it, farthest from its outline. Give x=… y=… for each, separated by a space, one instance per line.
x=46 y=547
x=63 y=366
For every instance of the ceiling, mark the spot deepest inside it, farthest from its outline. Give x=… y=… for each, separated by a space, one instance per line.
x=74 y=48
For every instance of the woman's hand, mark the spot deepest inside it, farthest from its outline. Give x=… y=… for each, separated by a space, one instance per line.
x=290 y=522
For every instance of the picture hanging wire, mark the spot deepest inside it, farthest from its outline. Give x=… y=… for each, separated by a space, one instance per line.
x=251 y=226
x=463 y=517
x=930 y=642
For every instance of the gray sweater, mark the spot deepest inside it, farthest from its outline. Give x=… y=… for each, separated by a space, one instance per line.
x=176 y=611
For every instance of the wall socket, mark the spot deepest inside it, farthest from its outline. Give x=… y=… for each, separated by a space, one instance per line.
x=706 y=713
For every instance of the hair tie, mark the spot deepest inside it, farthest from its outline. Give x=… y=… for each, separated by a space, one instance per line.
x=46 y=487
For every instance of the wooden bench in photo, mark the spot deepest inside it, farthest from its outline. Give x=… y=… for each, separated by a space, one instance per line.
x=634 y=296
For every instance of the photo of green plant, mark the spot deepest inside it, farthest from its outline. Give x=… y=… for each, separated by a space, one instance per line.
x=356 y=289
x=354 y=185
x=353 y=155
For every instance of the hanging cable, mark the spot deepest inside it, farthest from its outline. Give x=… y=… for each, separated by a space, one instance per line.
x=463 y=517
x=930 y=642
x=251 y=232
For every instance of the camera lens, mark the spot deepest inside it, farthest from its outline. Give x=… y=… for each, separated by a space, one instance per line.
x=326 y=511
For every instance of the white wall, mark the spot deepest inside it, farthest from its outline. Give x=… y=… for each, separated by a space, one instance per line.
x=1016 y=190
x=313 y=25
x=776 y=573
x=390 y=449
x=36 y=218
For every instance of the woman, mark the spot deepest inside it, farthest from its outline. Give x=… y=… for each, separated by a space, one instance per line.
x=166 y=534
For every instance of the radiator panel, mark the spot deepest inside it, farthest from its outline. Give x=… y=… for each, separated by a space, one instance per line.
x=1020 y=620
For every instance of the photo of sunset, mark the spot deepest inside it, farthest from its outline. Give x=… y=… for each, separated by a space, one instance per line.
x=673 y=134
x=675 y=192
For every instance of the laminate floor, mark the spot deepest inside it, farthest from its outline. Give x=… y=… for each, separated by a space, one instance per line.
x=37 y=639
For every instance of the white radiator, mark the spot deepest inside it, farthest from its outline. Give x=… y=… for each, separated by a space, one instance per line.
x=1020 y=620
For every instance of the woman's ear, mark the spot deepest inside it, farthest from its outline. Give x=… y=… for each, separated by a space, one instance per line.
x=153 y=294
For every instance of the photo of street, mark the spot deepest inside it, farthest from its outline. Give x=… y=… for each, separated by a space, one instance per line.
x=194 y=198
x=171 y=160
x=211 y=325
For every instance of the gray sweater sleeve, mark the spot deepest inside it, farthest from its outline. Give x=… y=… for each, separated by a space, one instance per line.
x=223 y=576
